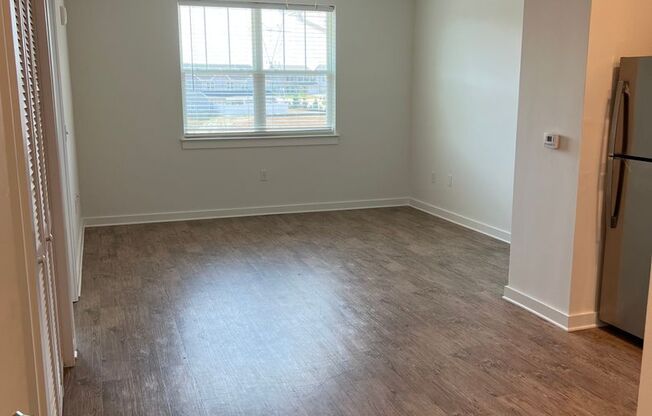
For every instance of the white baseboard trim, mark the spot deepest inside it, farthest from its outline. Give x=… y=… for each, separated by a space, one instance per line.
x=582 y=321
x=463 y=221
x=449 y=216
x=569 y=323
x=243 y=212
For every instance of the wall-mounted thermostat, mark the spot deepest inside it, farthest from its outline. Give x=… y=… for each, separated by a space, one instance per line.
x=552 y=141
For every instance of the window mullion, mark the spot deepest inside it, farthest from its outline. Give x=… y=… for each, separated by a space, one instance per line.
x=305 y=40
x=228 y=34
x=260 y=116
x=331 y=64
x=192 y=51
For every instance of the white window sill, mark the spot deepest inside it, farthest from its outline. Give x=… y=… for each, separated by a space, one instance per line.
x=192 y=143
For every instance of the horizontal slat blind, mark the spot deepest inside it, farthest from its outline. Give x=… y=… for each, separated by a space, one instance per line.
x=256 y=70
x=258 y=5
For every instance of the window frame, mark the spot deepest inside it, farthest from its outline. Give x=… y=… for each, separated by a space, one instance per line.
x=260 y=136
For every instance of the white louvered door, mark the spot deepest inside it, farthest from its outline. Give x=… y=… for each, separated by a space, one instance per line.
x=33 y=136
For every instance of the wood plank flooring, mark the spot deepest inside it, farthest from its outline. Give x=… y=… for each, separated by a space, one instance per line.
x=372 y=312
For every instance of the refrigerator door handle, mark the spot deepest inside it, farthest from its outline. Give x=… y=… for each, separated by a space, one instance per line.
x=622 y=90
x=615 y=206
x=622 y=95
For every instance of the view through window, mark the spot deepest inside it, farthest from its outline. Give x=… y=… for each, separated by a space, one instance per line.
x=257 y=70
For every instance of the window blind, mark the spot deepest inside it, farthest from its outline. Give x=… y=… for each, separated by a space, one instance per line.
x=257 y=69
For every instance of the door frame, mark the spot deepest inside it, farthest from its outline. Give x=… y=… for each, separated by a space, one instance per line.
x=54 y=139
x=65 y=131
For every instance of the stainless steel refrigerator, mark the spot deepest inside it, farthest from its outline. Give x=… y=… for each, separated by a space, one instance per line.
x=628 y=201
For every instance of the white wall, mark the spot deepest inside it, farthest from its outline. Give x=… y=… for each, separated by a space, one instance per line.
x=465 y=102
x=555 y=43
x=127 y=99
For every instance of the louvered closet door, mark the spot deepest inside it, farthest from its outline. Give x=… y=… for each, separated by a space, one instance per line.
x=28 y=68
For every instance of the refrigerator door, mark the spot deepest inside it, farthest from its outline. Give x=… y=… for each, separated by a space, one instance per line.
x=628 y=246
x=635 y=110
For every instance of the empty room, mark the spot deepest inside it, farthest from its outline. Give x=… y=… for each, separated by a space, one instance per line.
x=325 y=207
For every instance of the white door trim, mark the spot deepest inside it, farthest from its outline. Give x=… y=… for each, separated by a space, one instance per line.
x=58 y=175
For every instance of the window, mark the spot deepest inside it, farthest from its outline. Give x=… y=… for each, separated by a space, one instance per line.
x=251 y=69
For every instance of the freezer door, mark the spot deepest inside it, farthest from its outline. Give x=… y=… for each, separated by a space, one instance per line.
x=636 y=109
x=628 y=246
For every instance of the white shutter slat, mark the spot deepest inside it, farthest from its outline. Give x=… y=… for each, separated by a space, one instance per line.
x=34 y=144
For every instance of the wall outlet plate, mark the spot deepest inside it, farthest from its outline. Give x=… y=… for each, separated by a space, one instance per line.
x=552 y=141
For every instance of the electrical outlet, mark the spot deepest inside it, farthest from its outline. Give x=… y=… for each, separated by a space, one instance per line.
x=433 y=177
x=263 y=175
x=450 y=180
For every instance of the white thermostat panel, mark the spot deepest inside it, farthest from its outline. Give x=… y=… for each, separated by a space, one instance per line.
x=551 y=141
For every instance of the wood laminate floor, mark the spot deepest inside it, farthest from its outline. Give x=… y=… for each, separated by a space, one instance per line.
x=372 y=312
